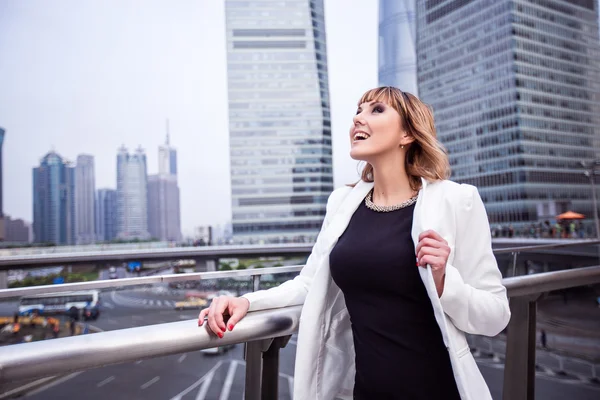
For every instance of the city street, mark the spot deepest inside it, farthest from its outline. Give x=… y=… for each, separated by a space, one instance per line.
x=197 y=375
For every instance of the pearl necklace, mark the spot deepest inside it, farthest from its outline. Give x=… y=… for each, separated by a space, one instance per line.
x=369 y=203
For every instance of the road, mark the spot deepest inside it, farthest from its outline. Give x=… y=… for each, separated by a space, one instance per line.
x=196 y=375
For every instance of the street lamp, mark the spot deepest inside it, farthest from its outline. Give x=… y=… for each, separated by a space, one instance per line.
x=590 y=172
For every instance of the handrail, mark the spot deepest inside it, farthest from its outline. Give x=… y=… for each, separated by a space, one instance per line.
x=145 y=280
x=39 y=359
x=547 y=281
x=76 y=353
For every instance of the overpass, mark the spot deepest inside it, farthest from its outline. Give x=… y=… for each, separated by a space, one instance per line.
x=538 y=250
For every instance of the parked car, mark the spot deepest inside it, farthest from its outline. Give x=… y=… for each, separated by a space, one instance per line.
x=192 y=303
x=218 y=350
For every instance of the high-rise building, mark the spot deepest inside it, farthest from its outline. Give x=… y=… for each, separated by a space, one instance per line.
x=167 y=157
x=163 y=208
x=397 y=39
x=17 y=230
x=132 y=212
x=85 y=193
x=54 y=201
x=164 y=218
x=515 y=88
x=106 y=215
x=279 y=119
x=2 y=220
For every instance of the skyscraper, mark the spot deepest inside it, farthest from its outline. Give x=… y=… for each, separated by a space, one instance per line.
x=397 y=39
x=279 y=119
x=85 y=193
x=514 y=85
x=164 y=219
x=54 y=201
x=2 y=220
x=132 y=214
x=163 y=208
x=2 y=133
x=167 y=157
x=106 y=215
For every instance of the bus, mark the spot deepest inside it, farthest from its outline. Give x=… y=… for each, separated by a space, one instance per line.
x=60 y=303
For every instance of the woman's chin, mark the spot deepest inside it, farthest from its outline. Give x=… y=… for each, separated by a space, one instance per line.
x=358 y=155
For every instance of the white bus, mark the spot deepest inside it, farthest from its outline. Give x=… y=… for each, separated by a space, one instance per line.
x=58 y=303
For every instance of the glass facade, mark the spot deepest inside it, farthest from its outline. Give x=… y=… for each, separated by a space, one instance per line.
x=54 y=201
x=132 y=177
x=397 y=38
x=515 y=88
x=106 y=215
x=2 y=132
x=279 y=119
x=85 y=193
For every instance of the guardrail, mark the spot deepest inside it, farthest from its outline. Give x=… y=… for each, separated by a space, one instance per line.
x=254 y=273
x=265 y=333
x=213 y=252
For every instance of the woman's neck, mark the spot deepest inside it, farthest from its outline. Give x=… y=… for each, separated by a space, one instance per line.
x=392 y=185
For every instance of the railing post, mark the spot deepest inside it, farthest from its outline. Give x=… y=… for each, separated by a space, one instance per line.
x=262 y=368
x=515 y=254
x=255 y=283
x=519 y=369
x=270 y=378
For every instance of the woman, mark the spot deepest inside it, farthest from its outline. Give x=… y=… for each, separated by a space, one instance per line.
x=401 y=270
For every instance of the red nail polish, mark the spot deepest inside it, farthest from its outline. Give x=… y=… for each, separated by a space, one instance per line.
x=220 y=335
x=230 y=327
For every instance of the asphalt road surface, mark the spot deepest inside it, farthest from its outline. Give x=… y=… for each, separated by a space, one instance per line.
x=196 y=375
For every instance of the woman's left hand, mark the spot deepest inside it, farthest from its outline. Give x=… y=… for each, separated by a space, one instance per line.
x=432 y=249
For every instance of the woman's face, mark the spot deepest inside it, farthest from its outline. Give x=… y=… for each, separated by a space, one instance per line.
x=377 y=130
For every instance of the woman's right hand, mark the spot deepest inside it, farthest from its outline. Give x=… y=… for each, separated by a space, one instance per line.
x=235 y=307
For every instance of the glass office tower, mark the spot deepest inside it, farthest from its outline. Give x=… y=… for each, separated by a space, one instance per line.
x=279 y=119
x=515 y=88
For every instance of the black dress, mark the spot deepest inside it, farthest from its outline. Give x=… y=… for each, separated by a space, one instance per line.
x=399 y=349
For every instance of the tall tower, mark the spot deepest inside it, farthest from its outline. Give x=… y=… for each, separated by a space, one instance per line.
x=132 y=214
x=397 y=39
x=167 y=157
x=164 y=218
x=106 y=215
x=279 y=119
x=85 y=192
x=54 y=201
x=514 y=85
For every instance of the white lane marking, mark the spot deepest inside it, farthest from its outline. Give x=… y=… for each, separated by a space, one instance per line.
x=150 y=382
x=95 y=328
x=159 y=303
x=107 y=380
x=182 y=358
x=108 y=305
x=137 y=317
x=198 y=382
x=184 y=317
x=205 y=386
x=56 y=382
x=138 y=362
x=111 y=321
x=228 y=381
x=8 y=395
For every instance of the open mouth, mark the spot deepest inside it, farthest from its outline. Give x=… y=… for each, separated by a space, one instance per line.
x=360 y=136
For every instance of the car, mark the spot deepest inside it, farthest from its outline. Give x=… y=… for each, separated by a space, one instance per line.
x=112 y=273
x=218 y=350
x=192 y=303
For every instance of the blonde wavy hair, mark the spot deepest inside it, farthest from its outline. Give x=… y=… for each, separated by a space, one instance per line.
x=425 y=157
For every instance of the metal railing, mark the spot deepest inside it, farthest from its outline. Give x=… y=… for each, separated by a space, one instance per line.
x=264 y=332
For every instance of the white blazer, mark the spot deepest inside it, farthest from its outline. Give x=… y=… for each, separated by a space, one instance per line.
x=474 y=299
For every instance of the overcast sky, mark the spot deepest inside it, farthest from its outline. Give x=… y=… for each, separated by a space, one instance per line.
x=88 y=76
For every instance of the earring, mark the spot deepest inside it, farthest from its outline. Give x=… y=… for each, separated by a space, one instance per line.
x=402 y=147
